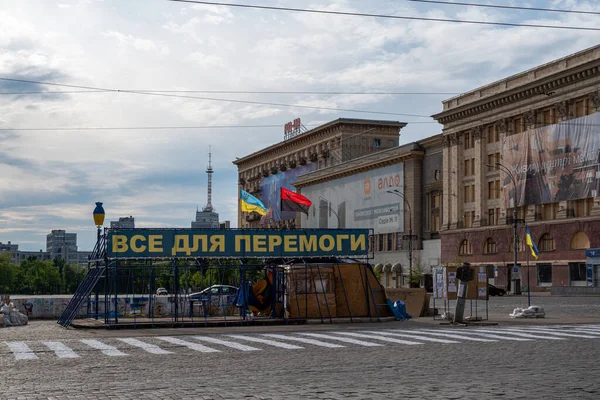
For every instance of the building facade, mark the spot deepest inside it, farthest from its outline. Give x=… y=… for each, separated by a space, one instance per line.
x=527 y=143
x=123 y=223
x=62 y=245
x=396 y=193
x=262 y=173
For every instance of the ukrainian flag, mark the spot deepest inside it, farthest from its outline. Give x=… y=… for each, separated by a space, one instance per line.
x=531 y=243
x=249 y=203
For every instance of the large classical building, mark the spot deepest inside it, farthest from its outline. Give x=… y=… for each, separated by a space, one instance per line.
x=529 y=141
x=264 y=172
x=395 y=192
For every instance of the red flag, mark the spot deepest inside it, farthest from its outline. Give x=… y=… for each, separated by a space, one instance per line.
x=292 y=201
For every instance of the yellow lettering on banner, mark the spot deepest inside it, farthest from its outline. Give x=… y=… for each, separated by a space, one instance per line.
x=290 y=243
x=340 y=238
x=358 y=242
x=274 y=241
x=119 y=244
x=217 y=242
x=181 y=245
x=196 y=243
x=238 y=243
x=259 y=243
x=134 y=243
x=329 y=246
x=155 y=243
x=308 y=243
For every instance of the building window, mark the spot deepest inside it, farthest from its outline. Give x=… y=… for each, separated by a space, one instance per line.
x=435 y=224
x=493 y=216
x=518 y=125
x=470 y=167
x=469 y=219
x=380 y=239
x=580 y=241
x=579 y=109
x=544 y=274
x=437 y=175
x=399 y=241
x=390 y=240
x=489 y=247
x=493 y=135
x=468 y=141
x=577 y=272
x=469 y=193
x=376 y=142
x=370 y=243
x=435 y=212
x=465 y=248
x=494 y=189
x=511 y=244
x=549 y=211
x=546 y=243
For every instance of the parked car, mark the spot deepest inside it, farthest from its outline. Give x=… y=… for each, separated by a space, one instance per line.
x=214 y=290
x=495 y=291
x=162 y=292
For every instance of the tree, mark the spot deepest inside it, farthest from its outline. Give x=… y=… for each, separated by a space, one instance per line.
x=8 y=274
x=41 y=277
x=418 y=270
x=72 y=275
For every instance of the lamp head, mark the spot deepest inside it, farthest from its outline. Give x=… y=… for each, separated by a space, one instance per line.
x=99 y=214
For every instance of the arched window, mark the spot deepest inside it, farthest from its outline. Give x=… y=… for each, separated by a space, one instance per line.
x=580 y=241
x=465 y=248
x=511 y=244
x=489 y=246
x=546 y=242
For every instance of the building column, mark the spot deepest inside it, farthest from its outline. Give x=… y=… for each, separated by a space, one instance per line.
x=480 y=169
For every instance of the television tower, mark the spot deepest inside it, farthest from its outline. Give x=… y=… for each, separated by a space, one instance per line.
x=209 y=171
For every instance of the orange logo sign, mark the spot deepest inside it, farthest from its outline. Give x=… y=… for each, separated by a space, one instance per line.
x=367 y=186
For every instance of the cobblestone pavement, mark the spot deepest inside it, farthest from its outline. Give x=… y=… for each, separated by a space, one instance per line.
x=371 y=361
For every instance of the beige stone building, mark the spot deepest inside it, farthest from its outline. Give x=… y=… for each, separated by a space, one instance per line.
x=263 y=172
x=478 y=200
x=365 y=193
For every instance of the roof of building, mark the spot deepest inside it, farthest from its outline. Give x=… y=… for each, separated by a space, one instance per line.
x=303 y=135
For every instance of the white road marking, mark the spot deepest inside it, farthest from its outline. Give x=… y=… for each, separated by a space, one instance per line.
x=233 y=345
x=382 y=338
x=266 y=341
x=410 y=336
x=150 y=348
x=487 y=335
x=61 y=350
x=304 y=340
x=105 y=348
x=553 y=332
x=453 y=336
x=21 y=351
x=189 y=345
x=517 y=333
x=341 y=339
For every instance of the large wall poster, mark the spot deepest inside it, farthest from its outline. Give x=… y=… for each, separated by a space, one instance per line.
x=359 y=201
x=554 y=163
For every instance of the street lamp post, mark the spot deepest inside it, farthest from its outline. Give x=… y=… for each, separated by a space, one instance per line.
x=328 y=207
x=515 y=220
x=410 y=235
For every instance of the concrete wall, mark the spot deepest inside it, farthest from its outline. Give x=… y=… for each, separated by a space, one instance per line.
x=575 y=291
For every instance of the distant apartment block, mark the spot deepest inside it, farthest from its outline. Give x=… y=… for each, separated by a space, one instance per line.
x=225 y=225
x=123 y=223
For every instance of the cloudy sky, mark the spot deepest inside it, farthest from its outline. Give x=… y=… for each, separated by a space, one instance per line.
x=50 y=178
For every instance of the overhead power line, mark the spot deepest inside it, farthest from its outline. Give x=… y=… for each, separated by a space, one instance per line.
x=324 y=93
x=140 y=128
x=215 y=99
x=355 y=14
x=556 y=10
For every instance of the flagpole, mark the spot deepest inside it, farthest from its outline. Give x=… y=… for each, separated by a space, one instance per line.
x=528 y=282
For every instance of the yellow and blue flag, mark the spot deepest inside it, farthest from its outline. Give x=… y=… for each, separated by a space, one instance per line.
x=249 y=203
x=531 y=243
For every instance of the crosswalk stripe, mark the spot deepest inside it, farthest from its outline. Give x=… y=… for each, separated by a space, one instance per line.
x=393 y=332
x=150 y=348
x=226 y=343
x=61 y=350
x=103 y=347
x=266 y=341
x=519 y=334
x=341 y=339
x=586 y=330
x=21 y=351
x=555 y=333
x=304 y=340
x=452 y=336
x=193 y=346
x=382 y=338
x=487 y=335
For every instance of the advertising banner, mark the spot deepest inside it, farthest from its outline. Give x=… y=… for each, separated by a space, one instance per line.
x=270 y=191
x=236 y=243
x=360 y=201
x=553 y=163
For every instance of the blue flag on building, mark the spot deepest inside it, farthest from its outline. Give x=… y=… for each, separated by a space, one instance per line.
x=531 y=243
x=249 y=203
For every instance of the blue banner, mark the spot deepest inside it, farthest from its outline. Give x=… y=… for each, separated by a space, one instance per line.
x=236 y=243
